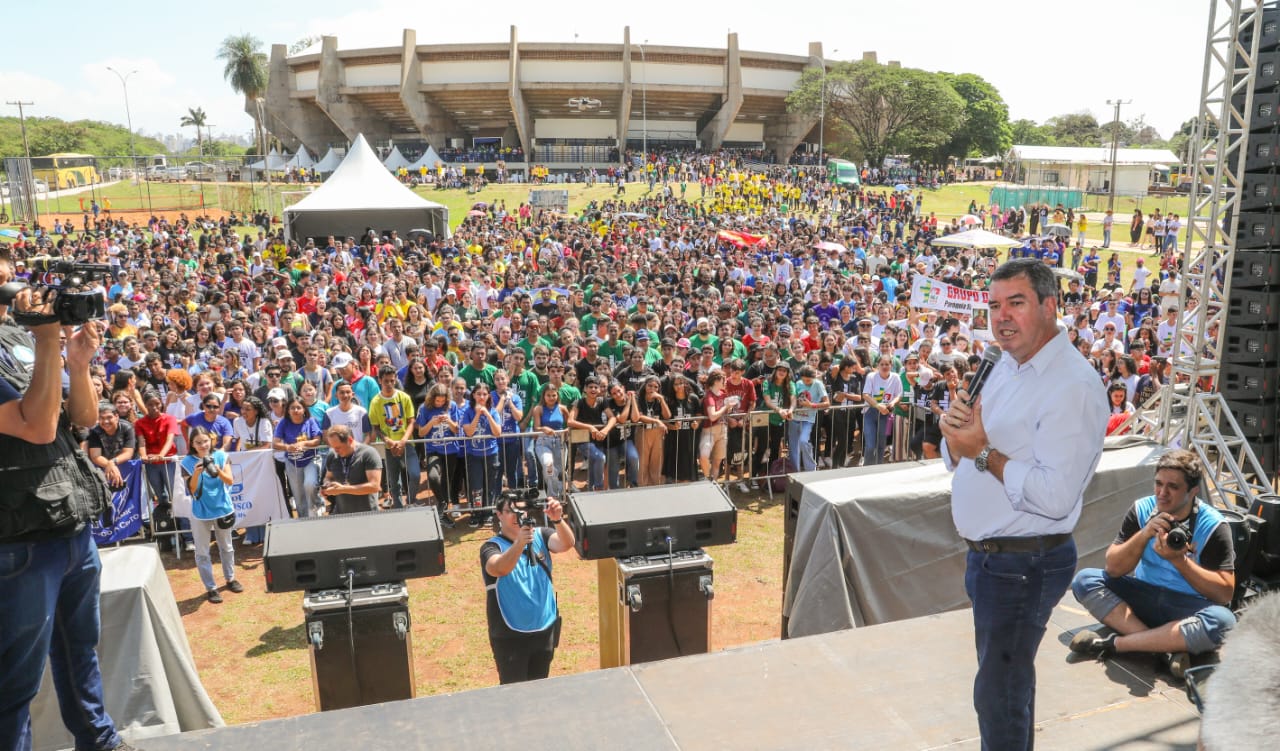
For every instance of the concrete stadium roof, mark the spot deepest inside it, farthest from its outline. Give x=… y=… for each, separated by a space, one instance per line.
x=521 y=92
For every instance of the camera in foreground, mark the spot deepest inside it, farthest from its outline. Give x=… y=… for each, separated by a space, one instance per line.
x=525 y=502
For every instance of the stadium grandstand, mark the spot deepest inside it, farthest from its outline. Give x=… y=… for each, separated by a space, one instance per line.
x=560 y=105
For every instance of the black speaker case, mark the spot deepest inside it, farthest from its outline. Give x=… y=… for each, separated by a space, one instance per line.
x=637 y=521
x=380 y=546
x=670 y=599
x=1246 y=345
x=1251 y=269
x=383 y=663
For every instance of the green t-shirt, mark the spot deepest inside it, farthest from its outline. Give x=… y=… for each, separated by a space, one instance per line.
x=775 y=393
x=569 y=395
x=529 y=387
x=475 y=375
x=697 y=341
x=613 y=352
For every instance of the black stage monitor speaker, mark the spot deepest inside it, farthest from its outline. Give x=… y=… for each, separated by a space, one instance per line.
x=1266 y=109
x=1255 y=269
x=369 y=662
x=655 y=607
x=638 y=521
x=1266 y=70
x=1251 y=307
x=379 y=546
x=1270 y=31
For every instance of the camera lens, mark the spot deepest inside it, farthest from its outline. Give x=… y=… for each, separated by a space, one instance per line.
x=1177 y=538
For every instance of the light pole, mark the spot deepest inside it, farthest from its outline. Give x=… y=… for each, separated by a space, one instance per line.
x=822 y=110
x=124 y=84
x=266 y=159
x=644 y=105
x=29 y=179
x=1115 y=143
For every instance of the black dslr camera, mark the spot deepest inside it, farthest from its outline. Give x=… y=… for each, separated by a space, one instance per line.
x=1178 y=537
x=524 y=501
x=61 y=283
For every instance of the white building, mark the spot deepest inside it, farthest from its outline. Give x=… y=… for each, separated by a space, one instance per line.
x=1087 y=168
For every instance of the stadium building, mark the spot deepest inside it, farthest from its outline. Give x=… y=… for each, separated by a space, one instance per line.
x=563 y=105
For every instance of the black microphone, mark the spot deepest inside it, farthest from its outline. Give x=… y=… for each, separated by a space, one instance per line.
x=990 y=356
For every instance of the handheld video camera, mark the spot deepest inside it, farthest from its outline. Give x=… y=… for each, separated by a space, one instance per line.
x=70 y=304
x=524 y=501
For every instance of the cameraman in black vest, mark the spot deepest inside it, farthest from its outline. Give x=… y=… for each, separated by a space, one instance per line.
x=49 y=567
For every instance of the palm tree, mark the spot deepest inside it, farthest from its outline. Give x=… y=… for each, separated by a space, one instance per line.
x=246 y=71
x=196 y=118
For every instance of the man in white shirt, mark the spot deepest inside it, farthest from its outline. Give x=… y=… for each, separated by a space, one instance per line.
x=1140 y=276
x=347 y=412
x=1108 y=341
x=1110 y=316
x=396 y=344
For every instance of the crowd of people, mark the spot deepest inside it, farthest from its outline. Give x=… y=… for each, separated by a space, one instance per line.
x=633 y=338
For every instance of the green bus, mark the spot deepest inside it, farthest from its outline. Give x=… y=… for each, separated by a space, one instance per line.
x=842 y=172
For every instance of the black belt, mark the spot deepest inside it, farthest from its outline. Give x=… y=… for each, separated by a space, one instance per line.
x=1018 y=544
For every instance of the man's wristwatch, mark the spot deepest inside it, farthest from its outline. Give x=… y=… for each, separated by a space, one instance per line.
x=980 y=461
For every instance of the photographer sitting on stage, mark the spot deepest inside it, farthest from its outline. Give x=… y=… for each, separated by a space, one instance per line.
x=524 y=621
x=1169 y=574
x=49 y=566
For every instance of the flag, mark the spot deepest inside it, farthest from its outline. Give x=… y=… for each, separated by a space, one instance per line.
x=124 y=518
x=741 y=239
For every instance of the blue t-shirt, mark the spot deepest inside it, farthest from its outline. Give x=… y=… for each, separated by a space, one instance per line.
x=219 y=426
x=509 y=424
x=441 y=430
x=290 y=431
x=213 y=497
x=365 y=389
x=482 y=442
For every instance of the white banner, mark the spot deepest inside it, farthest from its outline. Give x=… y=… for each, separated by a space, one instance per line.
x=935 y=295
x=255 y=492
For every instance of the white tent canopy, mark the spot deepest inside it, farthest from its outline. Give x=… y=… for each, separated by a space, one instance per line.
x=301 y=160
x=329 y=163
x=274 y=161
x=362 y=195
x=428 y=160
x=976 y=238
x=395 y=160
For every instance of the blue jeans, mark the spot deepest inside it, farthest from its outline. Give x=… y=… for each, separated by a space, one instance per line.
x=529 y=444
x=484 y=477
x=875 y=427
x=799 y=449
x=549 y=455
x=49 y=592
x=1203 y=624
x=618 y=457
x=304 y=482
x=1012 y=595
x=1106 y=237
x=595 y=465
x=511 y=454
x=396 y=468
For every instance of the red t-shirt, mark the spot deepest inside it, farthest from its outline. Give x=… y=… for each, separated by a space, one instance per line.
x=154 y=431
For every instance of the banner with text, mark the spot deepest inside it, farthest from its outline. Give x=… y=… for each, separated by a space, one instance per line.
x=124 y=518
x=948 y=298
x=255 y=491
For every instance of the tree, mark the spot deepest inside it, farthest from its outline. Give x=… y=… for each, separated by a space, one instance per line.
x=1076 y=129
x=885 y=110
x=246 y=71
x=198 y=119
x=986 y=118
x=1027 y=133
x=49 y=136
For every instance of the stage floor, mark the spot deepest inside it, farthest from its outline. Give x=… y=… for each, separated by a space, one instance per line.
x=903 y=685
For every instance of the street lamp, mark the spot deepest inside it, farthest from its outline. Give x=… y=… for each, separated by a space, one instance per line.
x=644 y=104
x=822 y=111
x=124 y=84
x=259 y=102
x=1115 y=144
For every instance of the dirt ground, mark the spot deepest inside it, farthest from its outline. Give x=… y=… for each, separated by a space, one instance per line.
x=252 y=655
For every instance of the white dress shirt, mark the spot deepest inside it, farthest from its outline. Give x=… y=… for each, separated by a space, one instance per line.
x=1048 y=416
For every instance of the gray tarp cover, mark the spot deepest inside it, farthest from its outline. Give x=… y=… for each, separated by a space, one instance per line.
x=876 y=544
x=149 y=678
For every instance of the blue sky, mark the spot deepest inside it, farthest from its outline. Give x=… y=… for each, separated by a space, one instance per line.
x=1046 y=59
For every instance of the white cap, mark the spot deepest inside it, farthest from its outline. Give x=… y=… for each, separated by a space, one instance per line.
x=341 y=360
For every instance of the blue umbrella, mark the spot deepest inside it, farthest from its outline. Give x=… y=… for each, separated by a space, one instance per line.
x=901 y=187
x=11 y=233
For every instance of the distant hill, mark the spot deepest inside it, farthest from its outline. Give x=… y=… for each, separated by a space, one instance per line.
x=49 y=135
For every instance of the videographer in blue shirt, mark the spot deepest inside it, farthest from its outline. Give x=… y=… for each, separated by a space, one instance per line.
x=1169 y=575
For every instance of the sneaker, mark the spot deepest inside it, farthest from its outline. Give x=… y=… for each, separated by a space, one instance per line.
x=475 y=521
x=743 y=487
x=235 y=586
x=214 y=597
x=1094 y=642
x=1179 y=663
x=188 y=547
x=446 y=521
